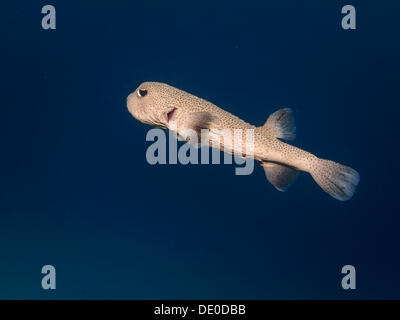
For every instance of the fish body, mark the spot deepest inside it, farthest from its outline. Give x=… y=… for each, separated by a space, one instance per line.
x=166 y=107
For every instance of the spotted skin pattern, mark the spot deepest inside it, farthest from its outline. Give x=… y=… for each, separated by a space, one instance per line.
x=164 y=106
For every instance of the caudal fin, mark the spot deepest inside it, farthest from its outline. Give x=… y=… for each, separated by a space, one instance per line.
x=336 y=179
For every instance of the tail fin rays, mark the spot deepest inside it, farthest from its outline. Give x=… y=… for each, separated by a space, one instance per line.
x=336 y=179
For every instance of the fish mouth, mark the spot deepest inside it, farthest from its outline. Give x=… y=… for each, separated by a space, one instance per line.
x=171 y=114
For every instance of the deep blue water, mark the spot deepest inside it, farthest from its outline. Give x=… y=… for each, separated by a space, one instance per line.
x=76 y=191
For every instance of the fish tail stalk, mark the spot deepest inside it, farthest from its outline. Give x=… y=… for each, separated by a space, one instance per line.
x=281 y=167
x=338 y=180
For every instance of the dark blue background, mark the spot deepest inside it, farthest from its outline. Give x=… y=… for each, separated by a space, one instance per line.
x=76 y=190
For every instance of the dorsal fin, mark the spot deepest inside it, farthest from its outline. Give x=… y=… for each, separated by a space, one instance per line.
x=279 y=175
x=281 y=124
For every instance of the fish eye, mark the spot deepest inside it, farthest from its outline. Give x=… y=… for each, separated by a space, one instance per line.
x=142 y=92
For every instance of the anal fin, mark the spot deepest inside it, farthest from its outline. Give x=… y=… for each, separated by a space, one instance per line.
x=280 y=176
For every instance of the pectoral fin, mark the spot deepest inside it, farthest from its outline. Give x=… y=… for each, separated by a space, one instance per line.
x=280 y=176
x=201 y=120
x=196 y=122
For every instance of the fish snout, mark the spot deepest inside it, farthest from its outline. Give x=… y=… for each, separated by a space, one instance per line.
x=130 y=101
x=136 y=107
x=132 y=105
